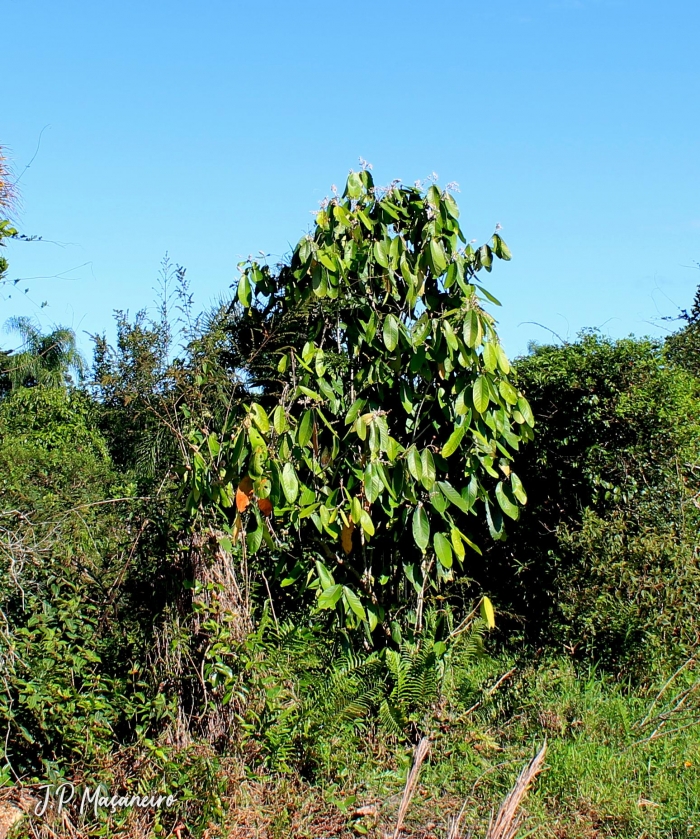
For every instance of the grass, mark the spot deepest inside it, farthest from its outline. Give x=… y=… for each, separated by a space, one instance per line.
x=610 y=770
x=601 y=779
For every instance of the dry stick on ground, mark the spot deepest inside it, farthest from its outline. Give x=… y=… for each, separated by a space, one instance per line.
x=419 y=756
x=508 y=819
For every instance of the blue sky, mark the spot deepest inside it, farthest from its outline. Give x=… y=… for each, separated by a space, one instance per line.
x=212 y=131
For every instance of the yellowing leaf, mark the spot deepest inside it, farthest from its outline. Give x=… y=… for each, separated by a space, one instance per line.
x=487 y=612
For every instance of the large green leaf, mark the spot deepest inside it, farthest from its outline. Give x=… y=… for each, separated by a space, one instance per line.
x=451 y=206
x=503 y=363
x=421 y=528
x=427 y=469
x=508 y=392
x=415 y=466
x=453 y=441
x=437 y=255
x=453 y=496
x=330 y=597
x=260 y=417
x=391 y=332
x=243 y=292
x=490 y=356
x=443 y=551
x=381 y=255
x=305 y=428
x=526 y=410
x=480 y=394
x=366 y=523
x=450 y=336
x=354 y=603
x=354 y=411
x=505 y=503
x=290 y=484
x=518 y=489
x=487 y=612
x=354 y=185
x=472 y=331
x=279 y=420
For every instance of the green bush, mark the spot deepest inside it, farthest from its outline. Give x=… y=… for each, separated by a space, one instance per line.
x=603 y=559
x=76 y=603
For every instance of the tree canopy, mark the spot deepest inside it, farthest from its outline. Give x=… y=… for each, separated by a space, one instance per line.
x=384 y=418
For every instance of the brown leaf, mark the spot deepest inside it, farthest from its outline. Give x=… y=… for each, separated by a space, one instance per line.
x=246 y=486
x=346 y=537
x=243 y=493
x=265 y=506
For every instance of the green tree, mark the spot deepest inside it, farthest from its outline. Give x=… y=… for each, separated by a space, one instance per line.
x=377 y=441
x=47 y=360
x=683 y=346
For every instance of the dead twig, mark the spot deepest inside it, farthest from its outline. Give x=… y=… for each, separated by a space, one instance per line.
x=419 y=756
x=508 y=819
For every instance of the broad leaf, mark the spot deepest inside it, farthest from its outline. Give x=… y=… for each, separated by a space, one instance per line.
x=290 y=484
x=421 y=528
x=330 y=597
x=454 y=441
x=443 y=551
x=391 y=332
x=480 y=394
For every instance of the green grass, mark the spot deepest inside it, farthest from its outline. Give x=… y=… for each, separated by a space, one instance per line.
x=599 y=781
x=603 y=777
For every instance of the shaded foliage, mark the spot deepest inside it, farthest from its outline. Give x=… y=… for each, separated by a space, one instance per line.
x=611 y=482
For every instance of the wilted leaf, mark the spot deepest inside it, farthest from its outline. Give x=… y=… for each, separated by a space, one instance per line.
x=346 y=537
x=265 y=507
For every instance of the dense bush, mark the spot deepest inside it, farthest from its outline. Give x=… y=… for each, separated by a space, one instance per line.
x=78 y=593
x=603 y=560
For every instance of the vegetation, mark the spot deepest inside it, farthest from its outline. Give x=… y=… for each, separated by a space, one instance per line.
x=262 y=569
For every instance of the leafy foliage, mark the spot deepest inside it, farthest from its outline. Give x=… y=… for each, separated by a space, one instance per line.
x=611 y=480
x=42 y=359
x=390 y=427
x=683 y=346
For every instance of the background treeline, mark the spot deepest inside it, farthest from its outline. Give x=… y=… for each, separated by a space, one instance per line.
x=142 y=643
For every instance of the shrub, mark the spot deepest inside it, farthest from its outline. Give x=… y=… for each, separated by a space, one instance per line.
x=611 y=479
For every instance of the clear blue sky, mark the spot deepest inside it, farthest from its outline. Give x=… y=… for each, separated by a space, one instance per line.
x=212 y=131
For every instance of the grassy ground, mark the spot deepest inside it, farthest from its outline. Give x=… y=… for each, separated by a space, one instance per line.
x=603 y=775
x=622 y=761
